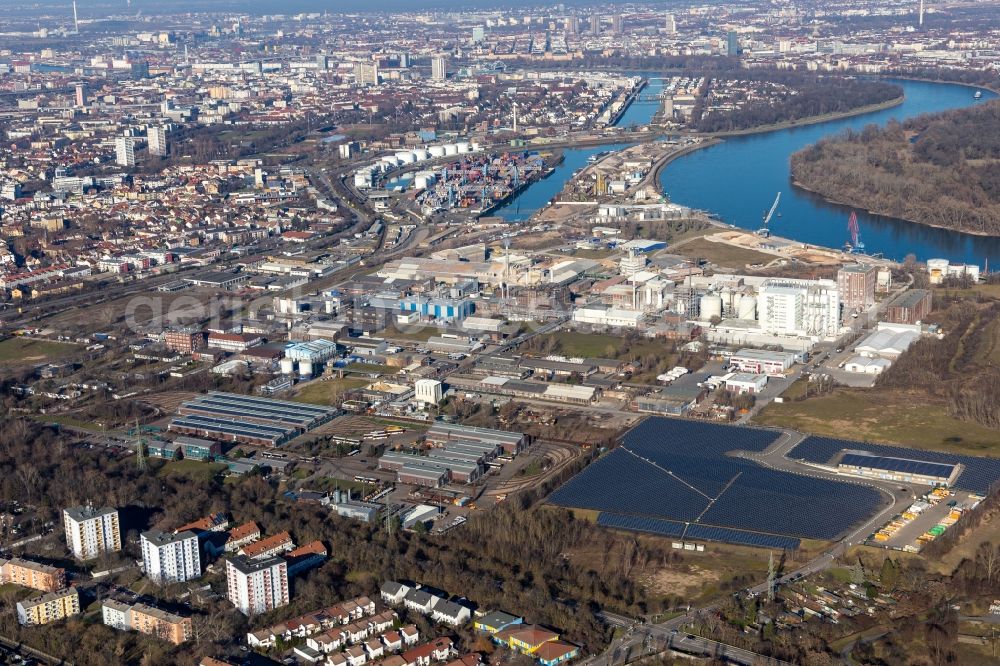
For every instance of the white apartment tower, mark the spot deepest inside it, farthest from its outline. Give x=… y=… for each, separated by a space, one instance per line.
x=257 y=586
x=170 y=558
x=91 y=532
x=439 y=67
x=157 y=139
x=125 y=151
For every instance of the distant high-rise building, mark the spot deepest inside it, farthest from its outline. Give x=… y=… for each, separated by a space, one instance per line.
x=404 y=60
x=732 y=44
x=572 y=24
x=616 y=24
x=478 y=34
x=366 y=73
x=81 y=95
x=257 y=586
x=125 y=151
x=91 y=532
x=323 y=62
x=156 y=137
x=439 y=67
x=170 y=558
x=670 y=23
x=595 y=24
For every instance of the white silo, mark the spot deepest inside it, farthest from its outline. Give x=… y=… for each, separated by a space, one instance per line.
x=711 y=306
x=436 y=151
x=476 y=145
x=287 y=366
x=406 y=157
x=305 y=369
x=748 y=308
x=450 y=149
x=421 y=154
x=464 y=147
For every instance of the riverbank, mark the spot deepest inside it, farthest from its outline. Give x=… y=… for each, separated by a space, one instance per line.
x=811 y=120
x=847 y=204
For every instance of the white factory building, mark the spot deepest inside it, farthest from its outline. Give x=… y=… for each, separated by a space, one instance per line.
x=428 y=391
x=799 y=307
x=888 y=340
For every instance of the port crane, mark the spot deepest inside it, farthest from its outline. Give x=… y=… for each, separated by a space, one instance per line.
x=764 y=230
x=855 y=244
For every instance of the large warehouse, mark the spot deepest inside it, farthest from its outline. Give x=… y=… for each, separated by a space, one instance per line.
x=441 y=434
x=232 y=417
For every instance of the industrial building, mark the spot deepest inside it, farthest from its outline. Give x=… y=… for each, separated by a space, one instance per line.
x=911 y=307
x=888 y=340
x=760 y=361
x=429 y=471
x=346 y=507
x=856 y=284
x=441 y=434
x=308 y=357
x=233 y=417
x=809 y=308
x=902 y=470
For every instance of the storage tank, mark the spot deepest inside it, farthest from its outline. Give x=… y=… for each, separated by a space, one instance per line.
x=748 y=308
x=464 y=147
x=711 y=306
x=287 y=366
x=476 y=145
x=390 y=159
x=436 y=151
x=406 y=157
x=305 y=369
x=450 y=149
x=737 y=299
x=424 y=179
x=421 y=154
x=937 y=269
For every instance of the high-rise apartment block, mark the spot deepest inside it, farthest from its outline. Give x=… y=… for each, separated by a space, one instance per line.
x=170 y=558
x=91 y=532
x=125 y=151
x=257 y=586
x=439 y=67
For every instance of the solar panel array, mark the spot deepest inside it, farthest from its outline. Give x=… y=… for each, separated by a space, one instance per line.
x=669 y=528
x=671 y=469
x=903 y=465
x=977 y=476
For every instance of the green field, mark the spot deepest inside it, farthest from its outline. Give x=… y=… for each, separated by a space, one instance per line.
x=329 y=391
x=194 y=469
x=26 y=351
x=883 y=416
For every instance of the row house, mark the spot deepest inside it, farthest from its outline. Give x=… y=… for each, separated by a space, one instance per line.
x=376 y=629
x=331 y=618
x=420 y=600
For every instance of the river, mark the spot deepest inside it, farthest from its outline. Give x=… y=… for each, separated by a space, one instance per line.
x=738 y=179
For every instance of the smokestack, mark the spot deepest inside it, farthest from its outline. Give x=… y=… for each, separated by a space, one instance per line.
x=76 y=21
x=921 y=13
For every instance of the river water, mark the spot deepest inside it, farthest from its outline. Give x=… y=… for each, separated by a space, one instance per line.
x=738 y=179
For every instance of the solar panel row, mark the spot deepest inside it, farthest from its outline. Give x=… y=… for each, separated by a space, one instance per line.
x=977 y=476
x=673 y=529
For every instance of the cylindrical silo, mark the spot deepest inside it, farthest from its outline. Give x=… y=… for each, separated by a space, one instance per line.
x=748 y=307
x=450 y=149
x=287 y=366
x=711 y=306
x=421 y=154
x=305 y=369
x=464 y=147
x=436 y=151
